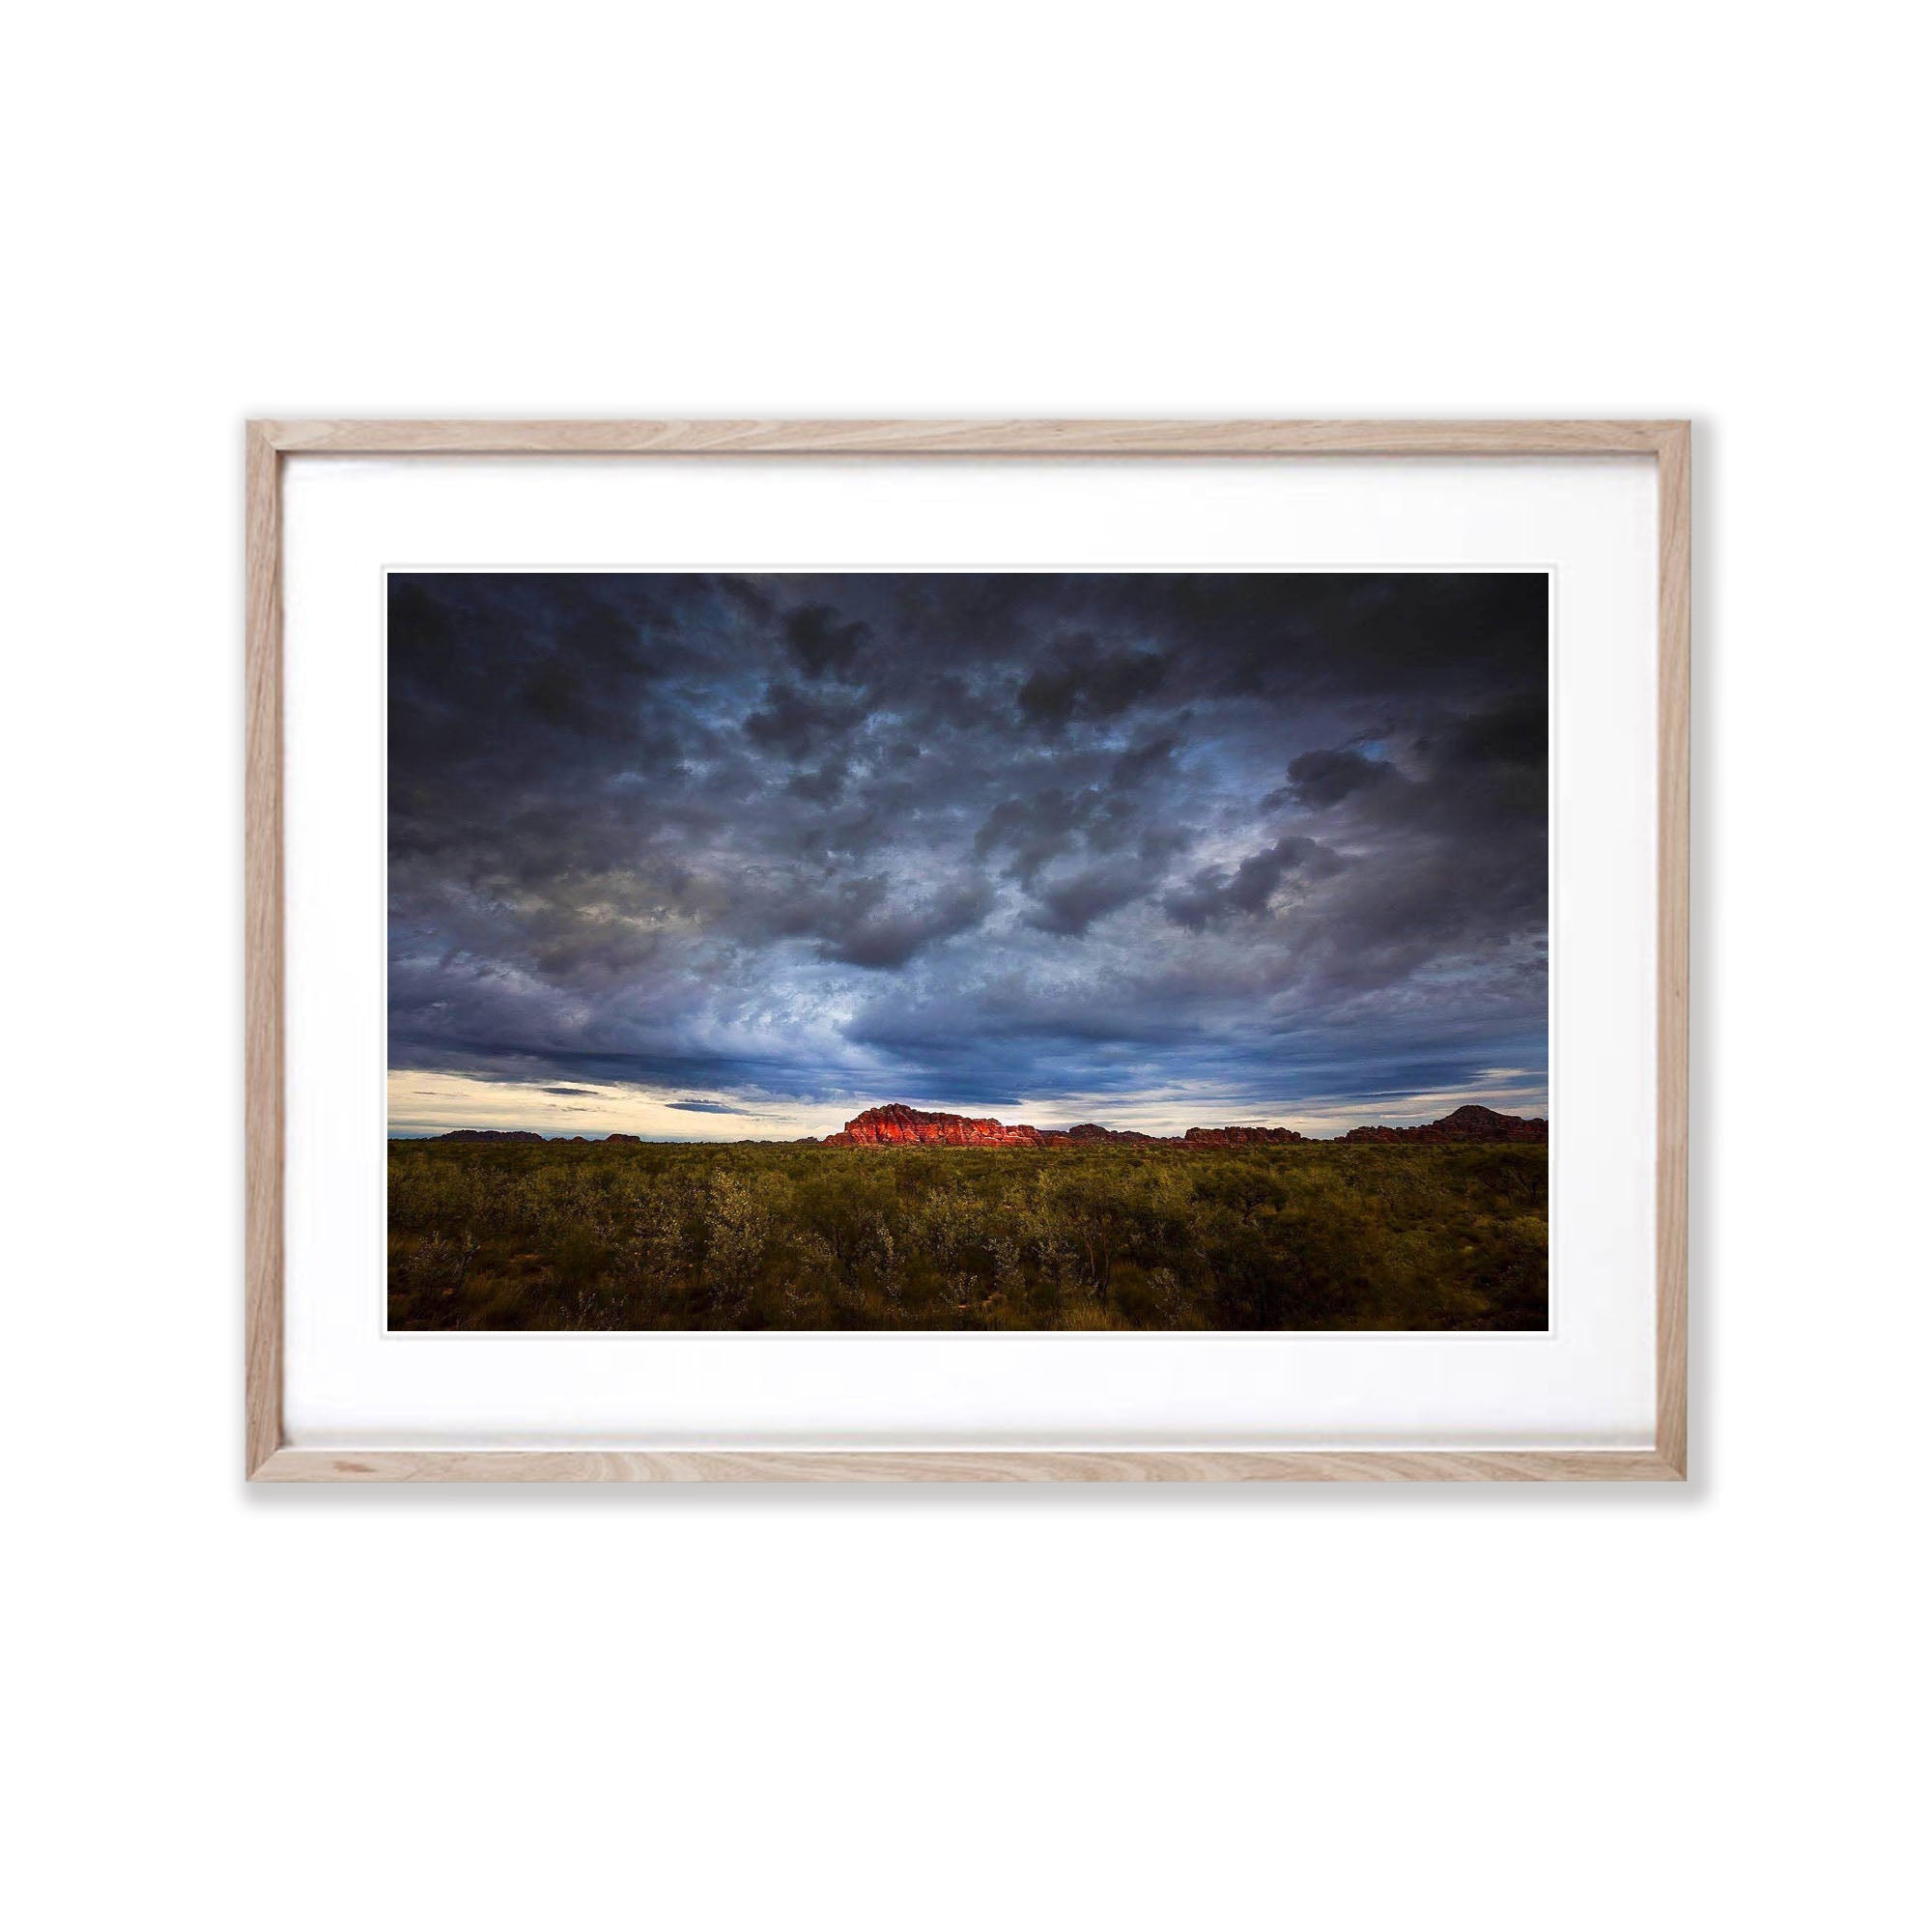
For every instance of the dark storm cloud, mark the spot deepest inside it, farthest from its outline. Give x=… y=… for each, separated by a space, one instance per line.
x=1029 y=830
x=797 y=725
x=883 y=934
x=821 y=642
x=1318 y=780
x=1216 y=894
x=1070 y=905
x=976 y=838
x=1139 y=763
x=1085 y=679
x=703 y=1107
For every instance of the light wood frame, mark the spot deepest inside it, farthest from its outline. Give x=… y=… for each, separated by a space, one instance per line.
x=270 y=1459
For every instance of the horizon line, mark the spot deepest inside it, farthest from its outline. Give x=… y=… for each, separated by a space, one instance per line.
x=819 y=1140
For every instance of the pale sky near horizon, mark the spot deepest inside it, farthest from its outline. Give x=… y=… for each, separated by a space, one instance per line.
x=736 y=857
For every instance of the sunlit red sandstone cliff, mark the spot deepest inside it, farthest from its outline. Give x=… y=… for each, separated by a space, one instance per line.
x=901 y=1127
x=897 y=1125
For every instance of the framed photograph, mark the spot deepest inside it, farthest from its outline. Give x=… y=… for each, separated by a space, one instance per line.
x=967 y=951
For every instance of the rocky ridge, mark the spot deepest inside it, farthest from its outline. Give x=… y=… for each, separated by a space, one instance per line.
x=1465 y=1123
x=899 y=1125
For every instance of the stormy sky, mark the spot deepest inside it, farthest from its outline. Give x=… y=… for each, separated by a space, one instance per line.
x=731 y=856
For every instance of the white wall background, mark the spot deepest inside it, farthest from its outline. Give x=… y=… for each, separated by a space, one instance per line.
x=1510 y=1709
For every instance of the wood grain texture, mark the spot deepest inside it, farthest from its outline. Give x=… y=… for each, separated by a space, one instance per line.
x=750 y=437
x=961 y=1465
x=270 y=1460
x=262 y=884
x=1673 y=946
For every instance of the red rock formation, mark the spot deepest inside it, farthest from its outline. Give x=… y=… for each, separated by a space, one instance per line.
x=908 y=1126
x=1465 y=1123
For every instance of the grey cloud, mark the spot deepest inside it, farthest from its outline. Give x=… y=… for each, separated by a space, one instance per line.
x=1069 y=906
x=821 y=643
x=820 y=787
x=1214 y=894
x=1318 y=780
x=894 y=937
x=1085 y=680
x=797 y=725
x=1139 y=763
x=928 y=836
x=1034 y=830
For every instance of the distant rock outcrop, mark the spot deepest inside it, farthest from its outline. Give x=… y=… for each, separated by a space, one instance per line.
x=1465 y=1123
x=899 y=1125
x=908 y=1126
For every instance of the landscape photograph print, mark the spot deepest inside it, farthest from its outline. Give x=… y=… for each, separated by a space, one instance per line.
x=1105 y=952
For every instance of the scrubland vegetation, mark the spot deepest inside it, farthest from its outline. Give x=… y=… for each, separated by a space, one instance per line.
x=629 y=1235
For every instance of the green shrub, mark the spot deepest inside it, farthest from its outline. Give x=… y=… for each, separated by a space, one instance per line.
x=586 y=1234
